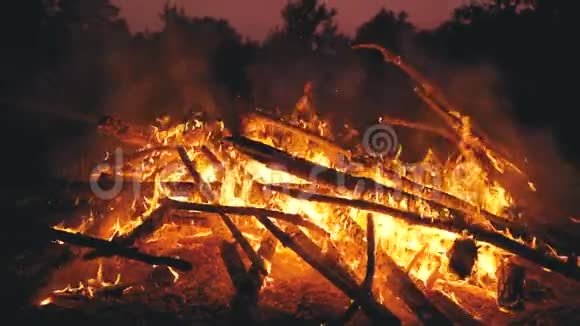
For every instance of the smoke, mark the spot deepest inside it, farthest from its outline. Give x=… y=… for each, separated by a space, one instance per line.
x=205 y=66
x=479 y=91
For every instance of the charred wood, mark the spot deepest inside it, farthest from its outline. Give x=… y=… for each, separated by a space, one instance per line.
x=462 y=256
x=510 y=285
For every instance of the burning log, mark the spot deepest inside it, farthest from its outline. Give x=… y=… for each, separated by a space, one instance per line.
x=249 y=211
x=409 y=217
x=328 y=145
x=411 y=191
x=338 y=275
x=114 y=249
x=510 y=284
x=477 y=232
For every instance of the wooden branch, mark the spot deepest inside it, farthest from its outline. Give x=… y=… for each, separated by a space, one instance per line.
x=336 y=274
x=367 y=284
x=439 y=104
x=476 y=231
x=371 y=259
x=441 y=132
x=510 y=285
x=249 y=211
x=114 y=249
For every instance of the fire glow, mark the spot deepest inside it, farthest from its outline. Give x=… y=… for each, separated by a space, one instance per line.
x=232 y=173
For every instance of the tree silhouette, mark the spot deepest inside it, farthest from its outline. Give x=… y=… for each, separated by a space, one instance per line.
x=386 y=28
x=21 y=35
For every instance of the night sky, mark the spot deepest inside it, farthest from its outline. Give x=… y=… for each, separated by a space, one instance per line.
x=255 y=18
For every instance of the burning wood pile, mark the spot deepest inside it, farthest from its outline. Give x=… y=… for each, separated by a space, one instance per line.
x=284 y=202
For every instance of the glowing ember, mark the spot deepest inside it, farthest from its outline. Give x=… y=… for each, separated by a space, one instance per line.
x=46 y=301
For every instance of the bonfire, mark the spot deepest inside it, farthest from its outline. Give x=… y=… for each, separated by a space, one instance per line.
x=282 y=201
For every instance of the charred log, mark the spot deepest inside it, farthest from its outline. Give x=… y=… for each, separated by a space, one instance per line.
x=462 y=256
x=510 y=285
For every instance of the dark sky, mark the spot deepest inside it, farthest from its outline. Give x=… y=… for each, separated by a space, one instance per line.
x=255 y=18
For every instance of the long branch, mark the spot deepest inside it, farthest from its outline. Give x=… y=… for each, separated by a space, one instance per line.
x=114 y=249
x=248 y=211
x=427 y=91
x=441 y=132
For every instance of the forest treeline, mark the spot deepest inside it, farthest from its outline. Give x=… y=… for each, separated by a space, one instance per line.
x=508 y=63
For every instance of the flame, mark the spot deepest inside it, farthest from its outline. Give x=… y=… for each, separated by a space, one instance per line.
x=88 y=289
x=174 y=273
x=45 y=302
x=421 y=249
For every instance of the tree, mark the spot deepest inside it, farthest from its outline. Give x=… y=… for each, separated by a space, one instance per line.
x=388 y=29
x=21 y=34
